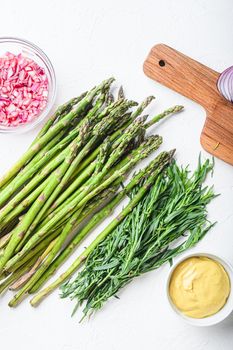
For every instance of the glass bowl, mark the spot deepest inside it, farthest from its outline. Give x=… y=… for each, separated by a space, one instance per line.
x=28 y=49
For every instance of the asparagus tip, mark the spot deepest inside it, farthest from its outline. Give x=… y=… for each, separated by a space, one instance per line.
x=121 y=93
x=178 y=108
x=172 y=152
x=150 y=98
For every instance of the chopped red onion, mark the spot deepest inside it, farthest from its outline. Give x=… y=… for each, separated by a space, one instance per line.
x=23 y=89
x=225 y=83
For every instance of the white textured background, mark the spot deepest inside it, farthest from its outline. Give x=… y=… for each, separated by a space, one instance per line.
x=88 y=41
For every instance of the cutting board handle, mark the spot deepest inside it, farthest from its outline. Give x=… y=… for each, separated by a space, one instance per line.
x=182 y=74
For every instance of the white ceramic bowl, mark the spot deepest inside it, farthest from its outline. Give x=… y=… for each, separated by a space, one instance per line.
x=221 y=314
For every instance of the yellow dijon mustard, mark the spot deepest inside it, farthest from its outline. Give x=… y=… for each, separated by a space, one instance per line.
x=199 y=287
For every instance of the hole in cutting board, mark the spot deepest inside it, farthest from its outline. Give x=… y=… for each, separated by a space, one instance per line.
x=162 y=63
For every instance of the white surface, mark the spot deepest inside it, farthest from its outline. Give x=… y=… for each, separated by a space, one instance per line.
x=87 y=41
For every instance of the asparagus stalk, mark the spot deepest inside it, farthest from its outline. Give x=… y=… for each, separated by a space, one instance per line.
x=164 y=114
x=24 y=278
x=141 y=107
x=36 y=250
x=53 y=131
x=60 y=112
x=16 y=211
x=69 y=192
x=42 y=156
x=165 y=159
x=91 y=208
x=4 y=240
x=17 y=274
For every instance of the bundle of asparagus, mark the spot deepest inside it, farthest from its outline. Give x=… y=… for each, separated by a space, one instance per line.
x=75 y=164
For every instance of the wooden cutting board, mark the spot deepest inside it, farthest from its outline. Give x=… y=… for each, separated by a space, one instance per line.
x=197 y=82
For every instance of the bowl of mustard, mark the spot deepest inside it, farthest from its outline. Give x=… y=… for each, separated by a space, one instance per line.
x=199 y=289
